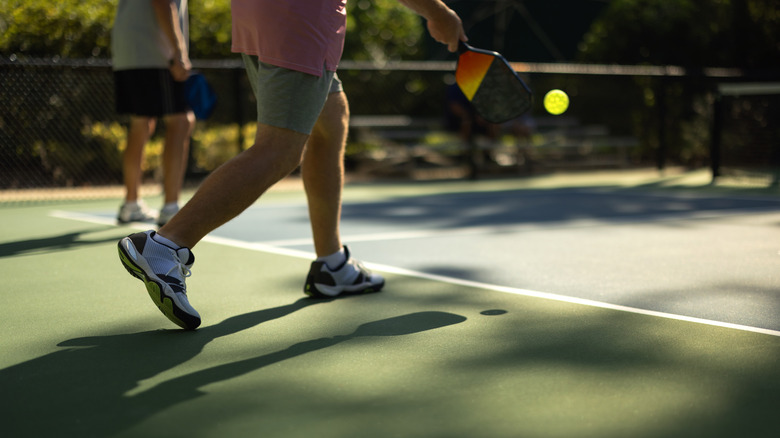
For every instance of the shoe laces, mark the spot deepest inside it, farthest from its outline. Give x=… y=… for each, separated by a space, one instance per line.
x=359 y=265
x=179 y=268
x=357 y=270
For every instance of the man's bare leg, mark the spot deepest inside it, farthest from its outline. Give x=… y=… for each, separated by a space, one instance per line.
x=178 y=129
x=323 y=173
x=334 y=272
x=138 y=134
x=236 y=185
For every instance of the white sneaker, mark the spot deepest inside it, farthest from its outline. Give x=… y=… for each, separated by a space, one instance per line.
x=349 y=278
x=163 y=269
x=166 y=213
x=135 y=212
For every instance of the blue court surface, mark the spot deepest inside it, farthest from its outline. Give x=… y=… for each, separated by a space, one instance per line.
x=604 y=305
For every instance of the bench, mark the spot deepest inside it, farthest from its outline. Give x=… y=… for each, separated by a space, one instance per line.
x=401 y=144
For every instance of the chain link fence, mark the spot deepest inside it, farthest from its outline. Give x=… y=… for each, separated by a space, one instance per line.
x=50 y=125
x=58 y=127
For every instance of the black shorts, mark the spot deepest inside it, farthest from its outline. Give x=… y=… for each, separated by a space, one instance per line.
x=148 y=92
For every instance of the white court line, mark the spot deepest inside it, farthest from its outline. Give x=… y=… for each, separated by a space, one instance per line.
x=272 y=249
x=566 y=299
x=396 y=235
x=84 y=217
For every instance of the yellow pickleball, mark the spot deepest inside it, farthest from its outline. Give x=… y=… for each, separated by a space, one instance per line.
x=556 y=102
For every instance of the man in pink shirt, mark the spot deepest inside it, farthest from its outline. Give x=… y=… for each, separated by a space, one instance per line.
x=291 y=50
x=265 y=29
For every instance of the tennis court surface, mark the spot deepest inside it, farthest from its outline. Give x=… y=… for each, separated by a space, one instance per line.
x=618 y=304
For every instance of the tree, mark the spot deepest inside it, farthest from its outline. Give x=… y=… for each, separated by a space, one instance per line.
x=672 y=114
x=65 y=28
x=377 y=29
x=693 y=33
x=381 y=30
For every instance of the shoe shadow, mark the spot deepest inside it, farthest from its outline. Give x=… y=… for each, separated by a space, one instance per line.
x=83 y=390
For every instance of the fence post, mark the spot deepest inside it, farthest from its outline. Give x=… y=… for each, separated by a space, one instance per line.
x=715 y=141
x=239 y=108
x=661 y=102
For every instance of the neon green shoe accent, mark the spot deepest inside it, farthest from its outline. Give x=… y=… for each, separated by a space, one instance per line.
x=165 y=305
x=130 y=266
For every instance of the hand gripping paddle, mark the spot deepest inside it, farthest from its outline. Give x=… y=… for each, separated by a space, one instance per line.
x=491 y=85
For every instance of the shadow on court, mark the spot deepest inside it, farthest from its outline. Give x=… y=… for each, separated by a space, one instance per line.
x=514 y=207
x=83 y=390
x=55 y=243
x=518 y=366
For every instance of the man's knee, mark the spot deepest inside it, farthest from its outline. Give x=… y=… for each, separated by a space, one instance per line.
x=143 y=123
x=278 y=145
x=333 y=122
x=181 y=121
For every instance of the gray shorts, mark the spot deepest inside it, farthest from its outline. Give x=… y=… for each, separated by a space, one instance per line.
x=287 y=98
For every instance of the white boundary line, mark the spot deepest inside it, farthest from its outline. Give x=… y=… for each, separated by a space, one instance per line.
x=566 y=299
x=272 y=249
x=85 y=217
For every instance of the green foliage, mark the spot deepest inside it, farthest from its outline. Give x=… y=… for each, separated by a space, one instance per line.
x=377 y=29
x=97 y=155
x=65 y=28
x=727 y=33
x=214 y=144
x=688 y=33
x=210 y=29
x=382 y=30
x=68 y=145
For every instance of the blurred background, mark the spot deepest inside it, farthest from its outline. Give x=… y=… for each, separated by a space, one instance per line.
x=661 y=83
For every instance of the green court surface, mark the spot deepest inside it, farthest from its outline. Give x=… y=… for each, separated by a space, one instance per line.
x=86 y=354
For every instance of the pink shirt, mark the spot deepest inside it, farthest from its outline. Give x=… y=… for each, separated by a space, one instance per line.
x=302 y=35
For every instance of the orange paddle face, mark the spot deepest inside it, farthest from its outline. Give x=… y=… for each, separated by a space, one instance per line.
x=489 y=83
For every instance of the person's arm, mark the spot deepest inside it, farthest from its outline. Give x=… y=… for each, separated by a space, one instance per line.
x=444 y=25
x=168 y=20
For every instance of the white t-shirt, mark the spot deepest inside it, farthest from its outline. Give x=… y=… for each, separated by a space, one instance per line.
x=137 y=41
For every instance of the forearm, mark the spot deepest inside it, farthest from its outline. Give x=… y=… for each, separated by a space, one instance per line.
x=444 y=25
x=428 y=9
x=167 y=18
